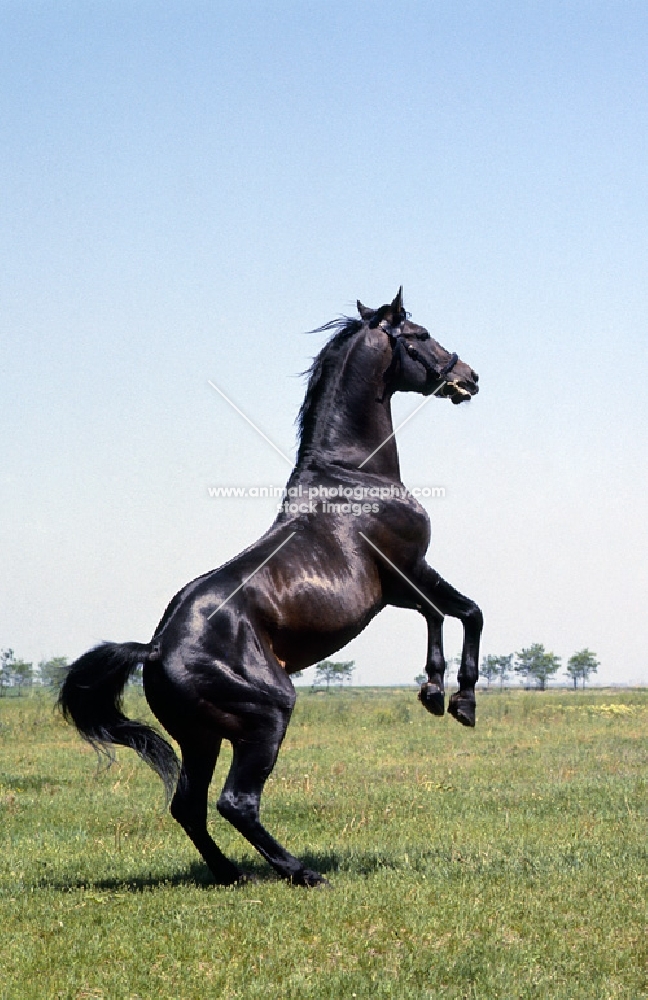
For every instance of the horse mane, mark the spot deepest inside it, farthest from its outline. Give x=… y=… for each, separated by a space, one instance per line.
x=318 y=372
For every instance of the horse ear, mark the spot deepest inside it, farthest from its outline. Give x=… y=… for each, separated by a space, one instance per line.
x=396 y=307
x=365 y=312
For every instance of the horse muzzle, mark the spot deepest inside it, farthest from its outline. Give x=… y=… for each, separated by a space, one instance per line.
x=460 y=390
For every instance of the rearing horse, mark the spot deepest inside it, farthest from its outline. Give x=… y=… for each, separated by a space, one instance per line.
x=348 y=540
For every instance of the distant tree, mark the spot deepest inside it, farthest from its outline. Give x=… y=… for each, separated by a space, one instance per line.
x=535 y=663
x=503 y=667
x=331 y=672
x=581 y=665
x=420 y=679
x=51 y=672
x=23 y=674
x=496 y=666
x=7 y=660
x=488 y=668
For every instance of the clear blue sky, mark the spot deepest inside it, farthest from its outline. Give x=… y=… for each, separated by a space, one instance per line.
x=187 y=187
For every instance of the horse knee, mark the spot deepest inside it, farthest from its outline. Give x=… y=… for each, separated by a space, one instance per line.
x=473 y=617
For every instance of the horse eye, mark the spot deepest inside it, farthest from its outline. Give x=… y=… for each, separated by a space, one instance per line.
x=424 y=335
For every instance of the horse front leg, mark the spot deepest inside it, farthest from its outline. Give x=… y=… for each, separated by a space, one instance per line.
x=432 y=693
x=444 y=599
x=462 y=702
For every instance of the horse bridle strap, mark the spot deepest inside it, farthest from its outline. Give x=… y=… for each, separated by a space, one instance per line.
x=430 y=369
x=399 y=348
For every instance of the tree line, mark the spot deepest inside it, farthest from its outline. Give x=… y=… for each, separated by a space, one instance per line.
x=19 y=675
x=536 y=665
x=331 y=673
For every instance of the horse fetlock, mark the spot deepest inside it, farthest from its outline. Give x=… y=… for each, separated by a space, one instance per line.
x=225 y=872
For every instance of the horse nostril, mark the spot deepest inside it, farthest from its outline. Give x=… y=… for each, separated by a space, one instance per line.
x=474 y=376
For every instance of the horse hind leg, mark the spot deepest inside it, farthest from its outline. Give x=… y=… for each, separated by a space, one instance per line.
x=240 y=800
x=189 y=807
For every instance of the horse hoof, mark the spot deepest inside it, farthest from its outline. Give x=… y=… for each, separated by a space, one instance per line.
x=310 y=879
x=432 y=698
x=462 y=708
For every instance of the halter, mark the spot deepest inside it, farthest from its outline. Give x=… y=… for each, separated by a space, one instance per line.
x=399 y=348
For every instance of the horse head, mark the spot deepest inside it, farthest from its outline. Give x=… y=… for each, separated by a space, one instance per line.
x=418 y=362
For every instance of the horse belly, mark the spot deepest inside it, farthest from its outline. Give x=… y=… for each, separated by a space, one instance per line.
x=312 y=628
x=298 y=650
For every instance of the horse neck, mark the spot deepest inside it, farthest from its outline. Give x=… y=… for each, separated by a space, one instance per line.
x=351 y=419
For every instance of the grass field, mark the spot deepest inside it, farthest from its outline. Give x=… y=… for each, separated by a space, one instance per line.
x=507 y=861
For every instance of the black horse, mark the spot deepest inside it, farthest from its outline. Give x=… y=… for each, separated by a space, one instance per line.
x=348 y=540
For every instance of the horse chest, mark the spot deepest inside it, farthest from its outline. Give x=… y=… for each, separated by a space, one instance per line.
x=403 y=521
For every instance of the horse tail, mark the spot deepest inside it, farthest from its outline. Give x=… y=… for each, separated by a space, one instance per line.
x=91 y=697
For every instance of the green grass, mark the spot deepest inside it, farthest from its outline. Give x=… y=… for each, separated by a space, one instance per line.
x=509 y=861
